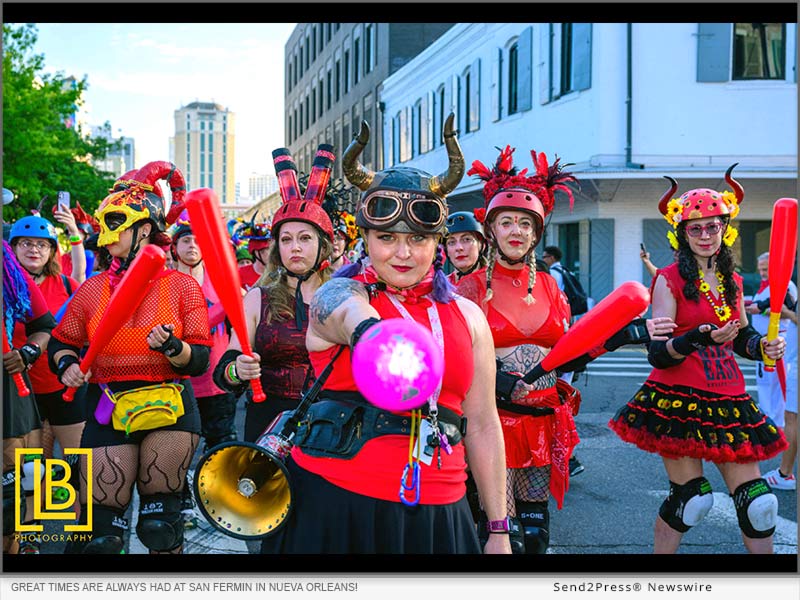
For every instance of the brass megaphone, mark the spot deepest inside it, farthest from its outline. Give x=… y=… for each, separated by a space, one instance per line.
x=243 y=489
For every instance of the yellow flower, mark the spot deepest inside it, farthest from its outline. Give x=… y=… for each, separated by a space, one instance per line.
x=730 y=236
x=729 y=437
x=721 y=288
x=704 y=287
x=692 y=407
x=722 y=412
x=712 y=437
x=723 y=312
x=677 y=404
x=673 y=240
x=737 y=413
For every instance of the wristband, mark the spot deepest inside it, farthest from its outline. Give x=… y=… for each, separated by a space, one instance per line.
x=501 y=526
x=64 y=363
x=230 y=371
x=29 y=353
x=360 y=329
x=75 y=240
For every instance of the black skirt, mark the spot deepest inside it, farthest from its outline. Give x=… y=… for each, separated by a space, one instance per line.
x=326 y=519
x=20 y=414
x=677 y=421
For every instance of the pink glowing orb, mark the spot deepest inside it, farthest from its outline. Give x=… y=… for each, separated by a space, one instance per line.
x=397 y=364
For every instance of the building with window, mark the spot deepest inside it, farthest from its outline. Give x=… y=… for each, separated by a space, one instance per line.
x=627 y=104
x=261 y=185
x=121 y=158
x=203 y=148
x=333 y=71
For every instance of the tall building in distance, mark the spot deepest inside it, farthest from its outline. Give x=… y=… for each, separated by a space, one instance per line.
x=204 y=148
x=261 y=185
x=118 y=160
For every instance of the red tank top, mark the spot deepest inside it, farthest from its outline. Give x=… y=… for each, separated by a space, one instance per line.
x=714 y=368
x=376 y=470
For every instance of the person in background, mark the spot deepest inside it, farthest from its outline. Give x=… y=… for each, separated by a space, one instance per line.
x=243 y=257
x=23 y=303
x=781 y=409
x=217 y=407
x=464 y=244
x=257 y=235
x=79 y=228
x=35 y=243
x=694 y=406
x=552 y=257
x=648 y=265
x=345 y=234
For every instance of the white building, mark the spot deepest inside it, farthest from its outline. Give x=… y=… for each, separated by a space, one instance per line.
x=627 y=104
x=261 y=185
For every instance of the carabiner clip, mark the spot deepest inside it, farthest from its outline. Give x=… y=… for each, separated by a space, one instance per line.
x=414 y=484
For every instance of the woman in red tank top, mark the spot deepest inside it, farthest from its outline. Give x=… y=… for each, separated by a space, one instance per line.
x=350 y=502
x=276 y=311
x=527 y=314
x=694 y=406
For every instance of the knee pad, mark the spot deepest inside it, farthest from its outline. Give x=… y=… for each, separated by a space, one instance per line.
x=30 y=474
x=108 y=532
x=756 y=508
x=535 y=520
x=687 y=504
x=160 y=525
x=12 y=502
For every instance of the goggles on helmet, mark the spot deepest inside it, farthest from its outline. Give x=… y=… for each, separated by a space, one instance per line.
x=116 y=215
x=402 y=211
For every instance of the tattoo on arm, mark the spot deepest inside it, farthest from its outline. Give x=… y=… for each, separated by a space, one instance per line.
x=333 y=294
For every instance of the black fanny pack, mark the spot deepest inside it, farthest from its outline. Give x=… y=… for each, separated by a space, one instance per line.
x=340 y=423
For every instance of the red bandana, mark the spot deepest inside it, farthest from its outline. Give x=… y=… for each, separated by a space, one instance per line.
x=411 y=294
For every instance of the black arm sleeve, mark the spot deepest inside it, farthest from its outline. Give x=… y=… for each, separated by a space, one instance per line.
x=659 y=356
x=505 y=382
x=198 y=361
x=576 y=363
x=42 y=324
x=219 y=373
x=747 y=343
x=55 y=346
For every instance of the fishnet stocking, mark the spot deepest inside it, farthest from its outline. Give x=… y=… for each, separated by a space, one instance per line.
x=529 y=485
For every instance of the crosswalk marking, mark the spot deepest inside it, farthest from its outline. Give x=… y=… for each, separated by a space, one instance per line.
x=635 y=366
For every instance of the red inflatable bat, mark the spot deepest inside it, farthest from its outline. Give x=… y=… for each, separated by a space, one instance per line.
x=19 y=381
x=127 y=297
x=782 y=250
x=608 y=316
x=220 y=264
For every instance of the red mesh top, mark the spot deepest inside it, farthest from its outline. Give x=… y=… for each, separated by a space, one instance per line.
x=174 y=298
x=714 y=368
x=513 y=322
x=375 y=471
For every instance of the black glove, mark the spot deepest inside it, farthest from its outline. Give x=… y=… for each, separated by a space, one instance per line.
x=172 y=347
x=64 y=364
x=694 y=340
x=505 y=382
x=634 y=332
x=763 y=305
x=29 y=353
x=360 y=329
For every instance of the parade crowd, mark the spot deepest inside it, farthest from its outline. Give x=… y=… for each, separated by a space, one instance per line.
x=478 y=463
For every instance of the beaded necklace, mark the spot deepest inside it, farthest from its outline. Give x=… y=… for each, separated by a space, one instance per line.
x=722 y=310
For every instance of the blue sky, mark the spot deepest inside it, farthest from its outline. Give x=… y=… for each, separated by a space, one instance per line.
x=139 y=74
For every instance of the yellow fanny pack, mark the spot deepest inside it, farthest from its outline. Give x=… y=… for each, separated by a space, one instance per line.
x=147 y=407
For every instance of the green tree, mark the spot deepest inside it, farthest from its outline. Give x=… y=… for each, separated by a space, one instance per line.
x=41 y=154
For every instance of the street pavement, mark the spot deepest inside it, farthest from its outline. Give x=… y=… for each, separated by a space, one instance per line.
x=610 y=507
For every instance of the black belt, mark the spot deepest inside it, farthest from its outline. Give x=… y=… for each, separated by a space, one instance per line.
x=339 y=423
